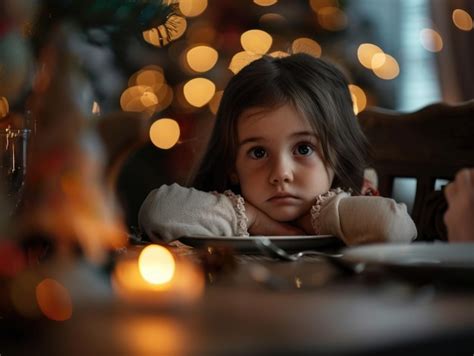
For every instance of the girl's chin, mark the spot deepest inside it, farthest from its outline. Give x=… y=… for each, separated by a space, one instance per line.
x=284 y=216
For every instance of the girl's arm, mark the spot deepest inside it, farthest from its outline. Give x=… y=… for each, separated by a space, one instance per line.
x=361 y=219
x=172 y=211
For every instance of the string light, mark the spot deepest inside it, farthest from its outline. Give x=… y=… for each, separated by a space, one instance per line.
x=192 y=8
x=431 y=40
x=202 y=58
x=256 y=41
x=164 y=133
x=199 y=91
x=462 y=20
x=306 y=45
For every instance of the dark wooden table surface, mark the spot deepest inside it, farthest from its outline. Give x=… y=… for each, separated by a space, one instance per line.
x=256 y=306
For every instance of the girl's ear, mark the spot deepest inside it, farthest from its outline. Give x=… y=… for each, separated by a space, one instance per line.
x=234 y=178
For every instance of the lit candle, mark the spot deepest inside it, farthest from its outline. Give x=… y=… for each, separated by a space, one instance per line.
x=156 y=276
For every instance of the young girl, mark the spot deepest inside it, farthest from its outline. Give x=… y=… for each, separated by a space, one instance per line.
x=286 y=157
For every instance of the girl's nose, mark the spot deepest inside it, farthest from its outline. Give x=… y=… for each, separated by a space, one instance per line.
x=281 y=172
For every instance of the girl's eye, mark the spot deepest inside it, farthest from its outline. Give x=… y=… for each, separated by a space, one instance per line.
x=257 y=152
x=304 y=149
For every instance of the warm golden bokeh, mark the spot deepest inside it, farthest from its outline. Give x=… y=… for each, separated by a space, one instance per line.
x=159 y=36
x=265 y=2
x=202 y=58
x=256 y=41
x=4 y=107
x=462 y=20
x=139 y=98
x=165 y=97
x=378 y=60
x=332 y=18
x=365 y=53
x=306 y=45
x=242 y=59
x=192 y=8
x=273 y=19
x=150 y=77
x=319 y=4
x=431 y=40
x=164 y=133
x=156 y=264
x=359 y=98
x=215 y=101
x=389 y=70
x=54 y=300
x=199 y=91
x=278 y=54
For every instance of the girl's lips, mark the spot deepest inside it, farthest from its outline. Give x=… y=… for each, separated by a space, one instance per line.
x=283 y=199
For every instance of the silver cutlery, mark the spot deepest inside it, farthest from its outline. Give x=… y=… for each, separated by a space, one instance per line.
x=270 y=249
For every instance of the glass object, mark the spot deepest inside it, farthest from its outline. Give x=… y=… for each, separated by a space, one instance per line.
x=13 y=143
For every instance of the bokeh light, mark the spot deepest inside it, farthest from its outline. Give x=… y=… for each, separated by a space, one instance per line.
x=199 y=91
x=54 y=300
x=4 y=107
x=273 y=20
x=332 y=18
x=306 y=45
x=365 y=53
x=165 y=97
x=431 y=40
x=389 y=69
x=265 y=2
x=158 y=36
x=319 y=4
x=139 y=98
x=462 y=20
x=164 y=133
x=192 y=8
x=378 y=60
x=156 y=264
x=202 y=58
x=256 y=41
x=278 y=54
x=241 y=59
x=152 y=78
x=359 y=98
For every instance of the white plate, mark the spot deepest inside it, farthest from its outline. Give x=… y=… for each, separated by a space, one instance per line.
x=247 y=244
x=422 y=261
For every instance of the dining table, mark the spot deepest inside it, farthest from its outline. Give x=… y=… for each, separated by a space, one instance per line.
x=256 y=304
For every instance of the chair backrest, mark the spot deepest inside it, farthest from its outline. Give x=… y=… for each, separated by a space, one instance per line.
x=432 y=143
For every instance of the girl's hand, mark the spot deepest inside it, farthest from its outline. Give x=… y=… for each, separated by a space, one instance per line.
x=459 y=217
x=261 y=224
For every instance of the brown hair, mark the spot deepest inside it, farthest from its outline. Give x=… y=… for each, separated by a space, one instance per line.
x=317 y=89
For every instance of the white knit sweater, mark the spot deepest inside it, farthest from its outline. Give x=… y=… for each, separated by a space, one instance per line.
x=172 y=211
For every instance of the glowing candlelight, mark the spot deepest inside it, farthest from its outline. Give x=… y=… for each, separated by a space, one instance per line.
x=156 y=276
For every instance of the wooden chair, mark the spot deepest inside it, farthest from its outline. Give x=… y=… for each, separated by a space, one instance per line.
x=429 y=144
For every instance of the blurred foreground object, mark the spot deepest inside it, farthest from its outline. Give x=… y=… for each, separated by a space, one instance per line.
x=459 y=217
x=65 y=196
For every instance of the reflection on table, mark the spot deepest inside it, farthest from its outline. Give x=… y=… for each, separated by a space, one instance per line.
x=252 y=305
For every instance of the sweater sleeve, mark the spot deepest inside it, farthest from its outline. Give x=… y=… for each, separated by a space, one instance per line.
x=173 y=211
x=365 y=219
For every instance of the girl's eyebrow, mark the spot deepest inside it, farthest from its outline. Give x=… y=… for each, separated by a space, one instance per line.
x=295 y=134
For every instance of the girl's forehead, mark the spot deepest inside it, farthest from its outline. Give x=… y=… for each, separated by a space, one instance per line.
x=269 y=120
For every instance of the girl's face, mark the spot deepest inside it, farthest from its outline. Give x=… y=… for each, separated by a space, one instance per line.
x=278 y=166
